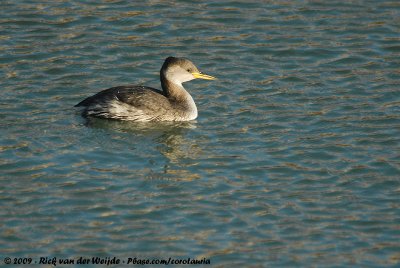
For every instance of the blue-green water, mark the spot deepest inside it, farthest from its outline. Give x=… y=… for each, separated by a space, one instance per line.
x=293 y=161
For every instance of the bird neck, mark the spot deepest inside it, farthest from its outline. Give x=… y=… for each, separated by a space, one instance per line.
x=173 y=90
x=177 y=95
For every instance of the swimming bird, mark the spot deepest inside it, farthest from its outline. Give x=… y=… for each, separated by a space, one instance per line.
x=140 y=103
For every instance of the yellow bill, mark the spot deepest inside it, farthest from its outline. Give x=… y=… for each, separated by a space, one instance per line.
x=203 y=76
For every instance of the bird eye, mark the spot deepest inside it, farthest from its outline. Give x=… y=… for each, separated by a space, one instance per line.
x=188 y=70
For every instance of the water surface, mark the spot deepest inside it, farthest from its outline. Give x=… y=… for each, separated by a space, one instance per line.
x=293 y=161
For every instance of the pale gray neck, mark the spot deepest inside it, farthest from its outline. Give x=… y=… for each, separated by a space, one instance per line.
x=177 y=94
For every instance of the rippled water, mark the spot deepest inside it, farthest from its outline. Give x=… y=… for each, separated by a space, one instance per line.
x=293 y=161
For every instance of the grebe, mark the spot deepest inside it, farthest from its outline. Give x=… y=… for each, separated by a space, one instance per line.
x=139 y=103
